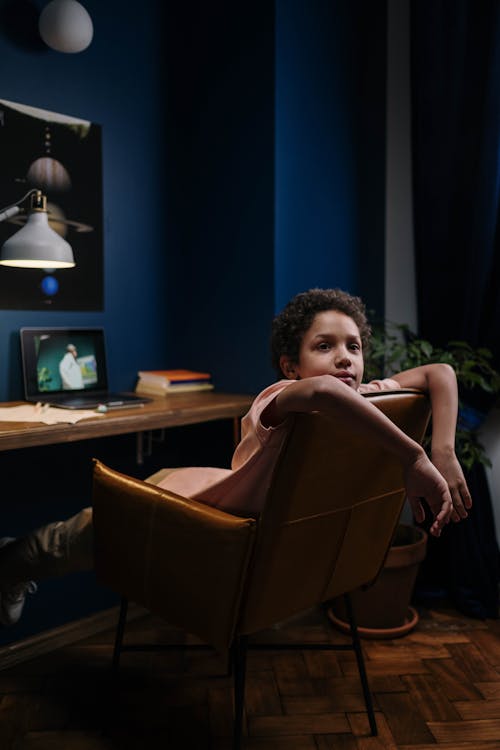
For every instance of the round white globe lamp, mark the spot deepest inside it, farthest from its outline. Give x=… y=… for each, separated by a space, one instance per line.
x=66 y=26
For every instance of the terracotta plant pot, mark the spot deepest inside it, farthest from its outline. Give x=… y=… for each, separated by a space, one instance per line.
x=383 y=610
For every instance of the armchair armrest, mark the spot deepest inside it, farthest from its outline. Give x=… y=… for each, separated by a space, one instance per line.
x=183 y=560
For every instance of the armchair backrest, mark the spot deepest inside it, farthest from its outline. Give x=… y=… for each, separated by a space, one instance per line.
x=331 y=513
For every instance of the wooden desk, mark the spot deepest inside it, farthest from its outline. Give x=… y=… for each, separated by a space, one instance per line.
x=170 y=411
x=173 y=411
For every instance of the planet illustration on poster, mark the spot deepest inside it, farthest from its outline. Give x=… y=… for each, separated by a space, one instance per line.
x=57 y=221
x=48 y=174
x=49 y=285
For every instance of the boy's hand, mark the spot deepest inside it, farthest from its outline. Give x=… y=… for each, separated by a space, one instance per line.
x=424 y=482
x=448 y=466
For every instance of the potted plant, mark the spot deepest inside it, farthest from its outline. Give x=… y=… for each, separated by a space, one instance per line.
x=384 y=611
x=395 y=347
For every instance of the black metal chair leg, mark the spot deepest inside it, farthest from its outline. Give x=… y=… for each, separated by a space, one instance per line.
x=239 y=662
x=120 y=632
x=113 y=700
x=361 y=665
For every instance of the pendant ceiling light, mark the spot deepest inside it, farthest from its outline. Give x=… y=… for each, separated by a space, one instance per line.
x=66 y=26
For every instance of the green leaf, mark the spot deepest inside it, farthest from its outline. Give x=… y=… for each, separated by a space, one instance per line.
x=485 y=353
x=396 y=347
x=427 y=348
x=459 y=344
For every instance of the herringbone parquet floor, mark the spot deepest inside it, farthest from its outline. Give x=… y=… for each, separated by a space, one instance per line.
x=437 y=688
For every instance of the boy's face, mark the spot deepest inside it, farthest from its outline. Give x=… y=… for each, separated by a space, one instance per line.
x=331 y=346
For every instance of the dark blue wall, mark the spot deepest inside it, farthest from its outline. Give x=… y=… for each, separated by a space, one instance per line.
x=330 y=148
x=116 y=82
x=243 y=158
x=220 y=104
x=276 y=150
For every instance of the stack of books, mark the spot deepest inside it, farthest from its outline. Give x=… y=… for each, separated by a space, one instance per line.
x=166 y=382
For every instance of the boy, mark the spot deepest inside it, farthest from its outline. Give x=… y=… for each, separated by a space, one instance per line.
x=317 y=346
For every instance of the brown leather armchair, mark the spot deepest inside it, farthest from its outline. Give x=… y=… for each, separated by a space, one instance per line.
x=332 y=508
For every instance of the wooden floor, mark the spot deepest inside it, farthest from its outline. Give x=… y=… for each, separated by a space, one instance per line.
x=438 y=687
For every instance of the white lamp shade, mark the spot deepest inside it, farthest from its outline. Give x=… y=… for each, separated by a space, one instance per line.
x=66 y=26
x=36 y=245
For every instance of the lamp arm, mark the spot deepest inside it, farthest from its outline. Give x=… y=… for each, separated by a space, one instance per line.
x=4 y=215
x=14 y=208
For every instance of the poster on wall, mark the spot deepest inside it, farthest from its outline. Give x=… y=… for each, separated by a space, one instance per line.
x=61 y=156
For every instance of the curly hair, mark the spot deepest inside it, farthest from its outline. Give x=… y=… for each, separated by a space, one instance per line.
x=290 y=325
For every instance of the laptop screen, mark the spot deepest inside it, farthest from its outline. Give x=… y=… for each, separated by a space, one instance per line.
x=62 y=360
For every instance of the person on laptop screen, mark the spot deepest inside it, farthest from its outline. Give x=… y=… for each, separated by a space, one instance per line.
x=66 y=367
x=69 y=370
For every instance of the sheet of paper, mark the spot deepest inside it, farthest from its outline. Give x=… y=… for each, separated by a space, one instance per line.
x=47 y=415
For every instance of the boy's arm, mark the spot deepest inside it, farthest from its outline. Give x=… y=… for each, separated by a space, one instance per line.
x=440 y=383
x=328 y=395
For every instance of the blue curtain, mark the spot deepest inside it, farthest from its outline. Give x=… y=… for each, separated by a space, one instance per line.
x=455 y=74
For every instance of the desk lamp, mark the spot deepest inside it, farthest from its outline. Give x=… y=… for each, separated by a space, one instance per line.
x=35 y=245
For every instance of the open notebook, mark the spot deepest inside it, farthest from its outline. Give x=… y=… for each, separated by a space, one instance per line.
x=66 y=367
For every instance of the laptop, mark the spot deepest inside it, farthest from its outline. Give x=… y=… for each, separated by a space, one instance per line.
x=66 y=367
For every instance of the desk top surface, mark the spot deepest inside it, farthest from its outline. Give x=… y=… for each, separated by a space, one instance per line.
x=169 y=411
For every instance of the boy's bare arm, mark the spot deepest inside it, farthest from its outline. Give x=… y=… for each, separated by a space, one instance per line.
x=439 y=381
x=328 y=395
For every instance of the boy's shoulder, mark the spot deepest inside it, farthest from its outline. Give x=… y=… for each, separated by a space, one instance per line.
x=272 y=390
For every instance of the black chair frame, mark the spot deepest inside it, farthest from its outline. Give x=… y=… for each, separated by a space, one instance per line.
x=238 y=661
